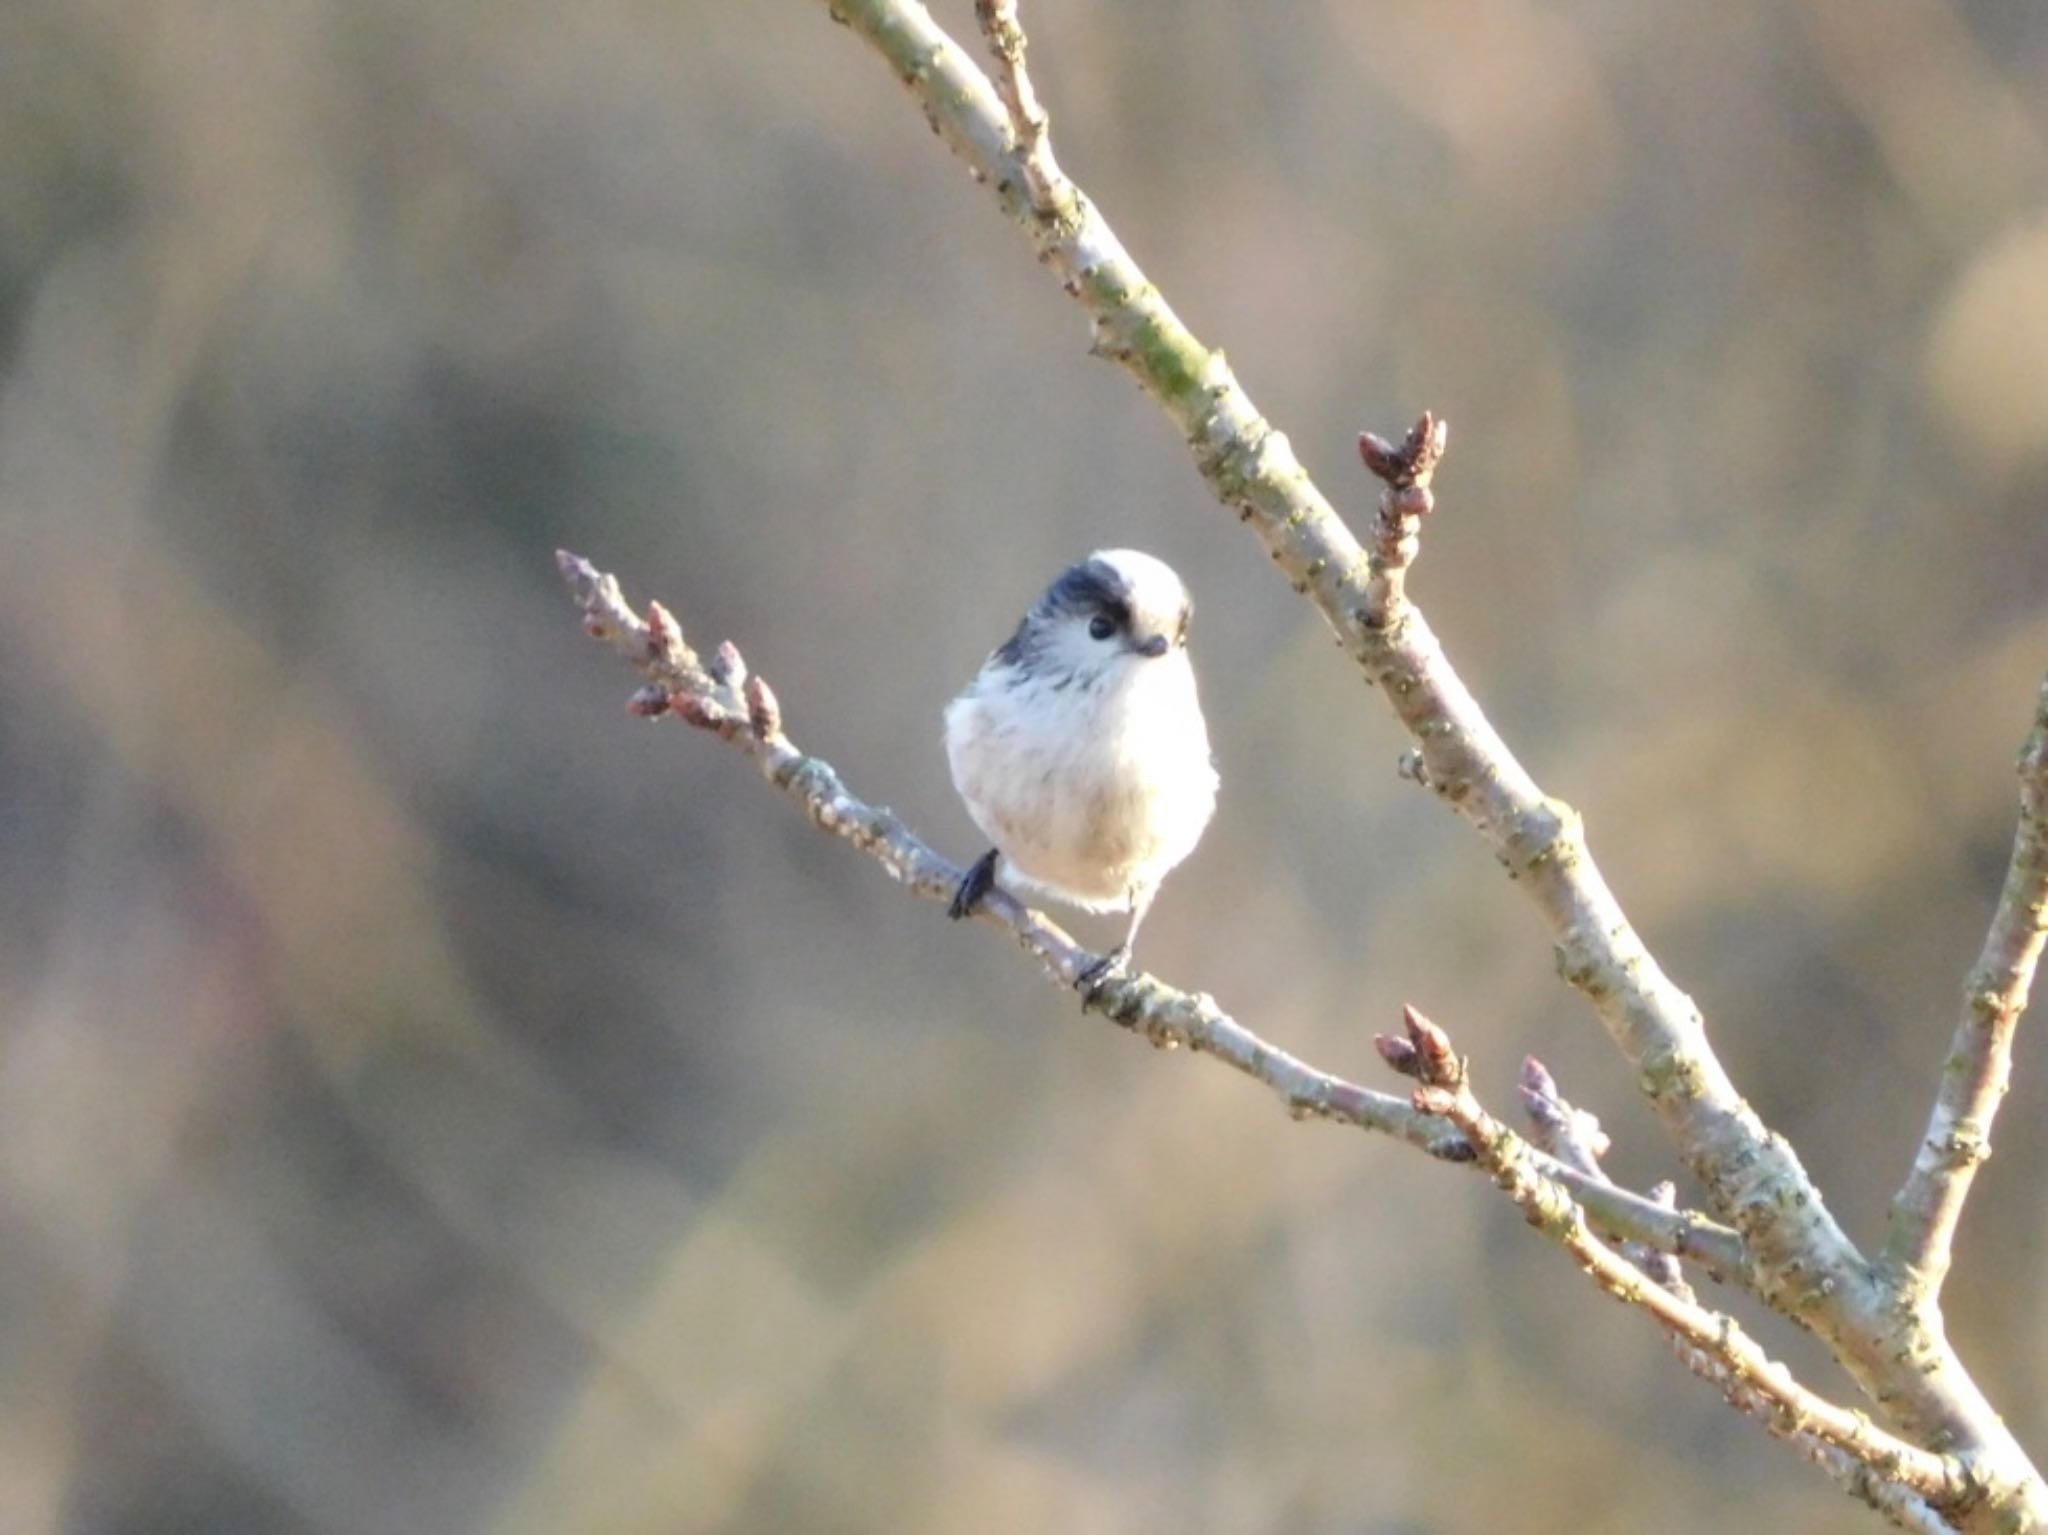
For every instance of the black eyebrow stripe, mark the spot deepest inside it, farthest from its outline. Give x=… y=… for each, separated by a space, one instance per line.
x=1093 y=586
x=1089 y=587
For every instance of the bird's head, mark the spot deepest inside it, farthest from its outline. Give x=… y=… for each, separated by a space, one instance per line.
x=1113 y=610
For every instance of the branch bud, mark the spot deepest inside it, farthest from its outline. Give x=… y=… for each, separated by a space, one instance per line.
x=764 y=714
x=1409 y=465
x=1397 y=1053
x=649 y=702
x=1382 y=458
x=1556 y=1120
x=665 y=636
x=728 y=666
x=1436 y=1062
x=1537 y=1081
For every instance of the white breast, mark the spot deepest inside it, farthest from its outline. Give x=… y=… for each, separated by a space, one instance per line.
x=1091 y=794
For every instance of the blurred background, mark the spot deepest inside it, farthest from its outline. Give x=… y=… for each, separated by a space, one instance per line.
x=431 y=1100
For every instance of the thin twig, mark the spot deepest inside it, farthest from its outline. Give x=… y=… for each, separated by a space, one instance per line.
x=1004 y=30
x=1573 y=1139
x=1406 y=468
x=724 y=697
x=1919 y=1242
x=1736 y=1360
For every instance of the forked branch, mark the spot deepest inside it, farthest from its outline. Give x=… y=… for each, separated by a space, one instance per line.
x=1006 y=42
x=1710 y=1341
x=1801 y=1261
x=1575 y=1138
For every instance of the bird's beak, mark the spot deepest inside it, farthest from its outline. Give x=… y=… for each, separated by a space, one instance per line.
x=1156 y=646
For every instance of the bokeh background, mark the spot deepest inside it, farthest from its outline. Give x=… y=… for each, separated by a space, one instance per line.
x=431 y=1100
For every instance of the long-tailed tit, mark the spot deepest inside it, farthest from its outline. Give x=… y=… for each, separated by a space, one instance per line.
x=1080 y=748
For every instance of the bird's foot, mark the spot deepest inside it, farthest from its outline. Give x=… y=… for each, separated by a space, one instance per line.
x=978 y=882
x=1099 y=974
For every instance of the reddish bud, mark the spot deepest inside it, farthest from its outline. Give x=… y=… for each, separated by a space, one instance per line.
x=1411 y=463
x=595 y=627
x=1382 y=458
x=764 y=714
x=1397 y=1053
x=1435 y=1061
x=648 y=702
x=664 y=634
x=1429 y=1039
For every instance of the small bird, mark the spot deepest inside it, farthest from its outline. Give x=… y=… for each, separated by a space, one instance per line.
x=1080 y=748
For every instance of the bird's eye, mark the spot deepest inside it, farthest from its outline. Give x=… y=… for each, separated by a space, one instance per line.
x=1102 y=626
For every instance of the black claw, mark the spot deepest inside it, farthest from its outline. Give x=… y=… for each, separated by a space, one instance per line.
x=1097 y=975
x=979 y=881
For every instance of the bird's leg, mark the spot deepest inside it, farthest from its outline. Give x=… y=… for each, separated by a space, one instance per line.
x=1115 y=960
x=978 y=882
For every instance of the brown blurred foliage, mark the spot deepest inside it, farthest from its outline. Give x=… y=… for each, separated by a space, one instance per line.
x=432 y=1101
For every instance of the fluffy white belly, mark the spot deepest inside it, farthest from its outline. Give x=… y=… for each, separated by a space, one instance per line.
x=1091 y=797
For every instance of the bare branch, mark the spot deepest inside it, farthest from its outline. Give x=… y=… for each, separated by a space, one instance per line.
x=726 y=699
x=1003 y=29
x=1755 y=1179
x=1710 y=1341
x=1958 y=1141
x=1801 y=1261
